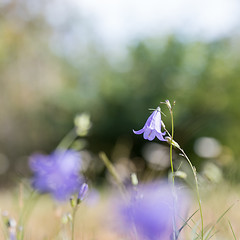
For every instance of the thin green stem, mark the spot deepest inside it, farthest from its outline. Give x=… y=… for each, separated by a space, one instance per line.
x=171 y=148
x=73 y=220
x=68 y=140
x=112 y=171
x=235 y=238
x=172 y=142
x=25 y=213
x=197 y=189
x=173 y=177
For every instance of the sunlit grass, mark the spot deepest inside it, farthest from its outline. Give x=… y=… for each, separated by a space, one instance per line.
x=96 y=220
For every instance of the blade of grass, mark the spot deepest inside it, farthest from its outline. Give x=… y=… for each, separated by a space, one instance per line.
x=235 y=238
x=112 y=170
x=186 y=222
x=194 y=231
x=218 y=220
x=213 y=234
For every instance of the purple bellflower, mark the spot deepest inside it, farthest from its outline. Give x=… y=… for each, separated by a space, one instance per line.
x=152 y=127
x=57 y=174
x=149 y=212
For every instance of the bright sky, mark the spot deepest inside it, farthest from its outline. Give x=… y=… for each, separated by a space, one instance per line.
x=118 y=21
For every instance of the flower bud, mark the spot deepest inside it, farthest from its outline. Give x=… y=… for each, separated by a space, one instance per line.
x=72 y=202
x=82 y=123
x=167 y=102
x=134 y=179
x=82 y=192
x=180 y=174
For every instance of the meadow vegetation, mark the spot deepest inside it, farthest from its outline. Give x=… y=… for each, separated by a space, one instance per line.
x=71 y=165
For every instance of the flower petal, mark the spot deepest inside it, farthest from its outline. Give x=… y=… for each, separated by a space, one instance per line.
x=150 y=120
x=139 y=131
x=149 y=134
x=156 y=121
x=160 y=136
x=152 y=135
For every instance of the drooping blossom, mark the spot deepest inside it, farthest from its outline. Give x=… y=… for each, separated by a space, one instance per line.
x=57 y=174
x=150 y=211
x=152 y=127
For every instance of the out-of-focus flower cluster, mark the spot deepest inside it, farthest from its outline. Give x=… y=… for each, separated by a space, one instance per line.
x=150 y=212
x=57 y=174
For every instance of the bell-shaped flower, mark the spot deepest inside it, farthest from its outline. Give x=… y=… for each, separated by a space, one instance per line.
x=152 y=127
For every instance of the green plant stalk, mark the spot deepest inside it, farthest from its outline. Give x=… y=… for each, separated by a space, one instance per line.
x=73 y=220
x=197 y=189
x=192 y=167
x=171 y=147
x=112 y=171
x=68 y=140
x=25 y=213
x=173 y=176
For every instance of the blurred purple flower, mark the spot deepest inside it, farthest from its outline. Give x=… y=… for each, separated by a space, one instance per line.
x=152 y=127
x=149 y=213
x=82 y=192
x=57 y=174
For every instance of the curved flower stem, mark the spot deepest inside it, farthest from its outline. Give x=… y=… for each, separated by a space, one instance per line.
x=197 y=188
x=173 y=143
x=195 y=177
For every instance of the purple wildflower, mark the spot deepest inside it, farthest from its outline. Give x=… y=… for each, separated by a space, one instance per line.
x=152 y=127
x=57 y=174
x=82 y=192
x=149 y=213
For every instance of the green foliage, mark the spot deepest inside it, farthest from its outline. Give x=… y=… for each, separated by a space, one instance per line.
x=43 y=88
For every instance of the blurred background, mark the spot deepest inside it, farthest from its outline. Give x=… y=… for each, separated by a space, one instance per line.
x=114 y=60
